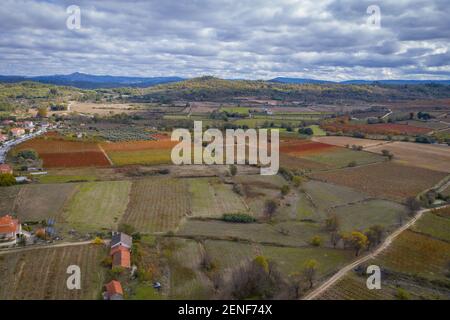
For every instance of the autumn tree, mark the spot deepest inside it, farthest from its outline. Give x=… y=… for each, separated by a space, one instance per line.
x=42 y=112
x=310 y=271
x=358 y=241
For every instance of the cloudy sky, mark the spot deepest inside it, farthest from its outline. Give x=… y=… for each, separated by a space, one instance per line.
x=251 y=39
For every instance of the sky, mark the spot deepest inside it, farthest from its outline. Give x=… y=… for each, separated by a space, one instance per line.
x=234 y=39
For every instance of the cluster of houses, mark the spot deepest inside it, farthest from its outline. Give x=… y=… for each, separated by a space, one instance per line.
x=19 y=128
x=120 y=253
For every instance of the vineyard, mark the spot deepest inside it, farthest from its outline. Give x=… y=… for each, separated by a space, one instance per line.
x=378 y=128
x=157 y=205
x=42 y=274
x=385 y=180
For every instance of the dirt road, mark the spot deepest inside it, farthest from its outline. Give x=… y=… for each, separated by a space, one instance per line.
x=386 y=243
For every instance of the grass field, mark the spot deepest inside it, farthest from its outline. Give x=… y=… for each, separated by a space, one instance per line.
x=317 y=130
x=386 y=180
x=42 y=274
x=97 y=205
x=212 y=198
x=39 y=202
x=143 y=157
x=434 y=225
x=7 y=199
x=157 y=204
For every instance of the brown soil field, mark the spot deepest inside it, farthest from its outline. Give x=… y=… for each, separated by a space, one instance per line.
x=101 y=108
x=74 y=159
x=304 y=147
x=42 y=274
x=54 y=144
x=138 y=145
x=342 y=141
x=386 y=180
x=433 y=157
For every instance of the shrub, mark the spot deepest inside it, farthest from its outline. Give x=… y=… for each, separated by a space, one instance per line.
x=316 y=241
x=233 y=169
x=352 y=164
x=285 y=190
x=28 y=154
x=402 y=294
x=98 y=240
x=238 y=218
x=7 y=180
x=307 y=131
x=297 y=181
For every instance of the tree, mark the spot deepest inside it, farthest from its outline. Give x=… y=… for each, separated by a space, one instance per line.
x=7 y=180
x=233 y=169
x=412 y=204
x=307 y=131
x=358 y=241
x=332 y=222
x=270 y=207
x=28 y=154
x=295 y=280
x=310 y=271
x=42 y=112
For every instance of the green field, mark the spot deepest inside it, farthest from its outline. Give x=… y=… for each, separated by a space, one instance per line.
x=211 y=198
x=144 y=157
x=340 y=158
x=238 y=110
x=434 y=225
x=86 y=213
x=317 y=130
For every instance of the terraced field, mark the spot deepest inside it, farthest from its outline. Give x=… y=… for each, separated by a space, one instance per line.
x=85 y=212
x=157 y=204
x=42 y=274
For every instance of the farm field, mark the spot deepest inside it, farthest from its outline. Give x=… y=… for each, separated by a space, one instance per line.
x=40 y=202
x=57 y=152
x=85 y=213
x=101 y=108
x=7 y=199
x=212 y=198
x=433 y=157
x=378 y=128
x=299 y=233
x=434 y=225
x=157 y=204
x=386 y=180
x=41 y=274
x=343 y=141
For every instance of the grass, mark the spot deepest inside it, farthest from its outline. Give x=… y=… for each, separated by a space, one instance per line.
x=145 y=291
x=361 y=216
x=212 y=198
x=341 y=157
x=7 y=198
x=238 y=110
x=434 y=225
x=49 y=178
x=144 y=157
x=317 y=131
x=98 y=205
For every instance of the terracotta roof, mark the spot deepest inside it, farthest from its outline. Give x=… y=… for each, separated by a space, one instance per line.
x=4 y=168
x=114 y=287
x=117 y=249
x=8 y=224
x=121 y=258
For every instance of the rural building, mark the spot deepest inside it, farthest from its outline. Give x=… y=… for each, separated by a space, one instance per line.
x=5 y=169
x=113 y=291
x=121 y=239
x=121 y=257
x=10 y=229
x=28 y=124
x=3 y=138
x=17 y=132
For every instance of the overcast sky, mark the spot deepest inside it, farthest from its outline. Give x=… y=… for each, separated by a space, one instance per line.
x=251 y=39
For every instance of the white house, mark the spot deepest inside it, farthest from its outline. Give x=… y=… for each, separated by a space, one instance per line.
x=10 y=230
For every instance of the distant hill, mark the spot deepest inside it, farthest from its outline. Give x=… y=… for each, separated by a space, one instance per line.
x=88 y=81
x=363 y=82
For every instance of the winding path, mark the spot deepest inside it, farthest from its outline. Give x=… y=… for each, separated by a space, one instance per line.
x=386 y=243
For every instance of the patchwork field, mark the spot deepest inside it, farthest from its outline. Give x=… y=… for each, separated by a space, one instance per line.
x=41 y=274
x=433 y=157
x=157 y=204
x=7 y=199
x=85 y=212
x=415 y=266
x=378 y=128
x=57 y=152
x=343 y=141
x=385 y=180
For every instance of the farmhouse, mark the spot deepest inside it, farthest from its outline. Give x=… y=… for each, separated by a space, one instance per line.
x=10 y=229
x=121 y=239
x=5 y=169
x=113 y=291
x=17 y=132
x=121 y=257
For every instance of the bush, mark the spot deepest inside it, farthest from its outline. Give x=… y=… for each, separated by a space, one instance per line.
x=7 y=180
x=233 y=169
x=352 y=164
x=238 y=218
x=28 y=154
x=402 y=294
x=307 y=131
x=316 y=241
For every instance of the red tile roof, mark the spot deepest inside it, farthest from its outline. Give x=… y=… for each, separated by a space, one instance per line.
x=117 y=249
x=121 y=258
x=8 y=224
x=113 y=287
x=4 y=168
